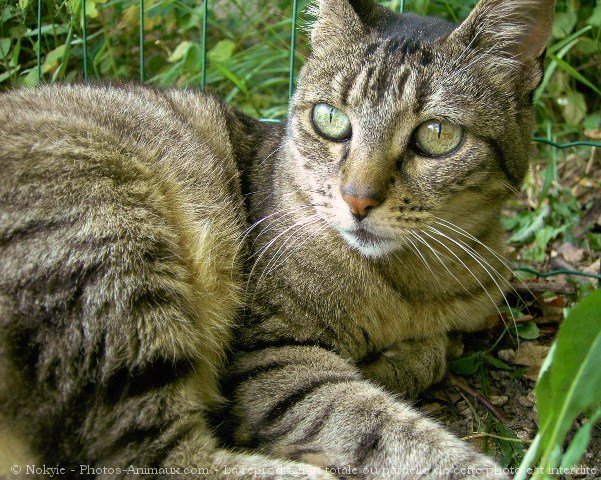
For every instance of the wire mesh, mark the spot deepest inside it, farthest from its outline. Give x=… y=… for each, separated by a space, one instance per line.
x=84 y=26
x=141 y=41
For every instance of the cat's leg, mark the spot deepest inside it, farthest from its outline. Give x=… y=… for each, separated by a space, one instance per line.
x=198 y=457
x=409 y=367
x=308 y=404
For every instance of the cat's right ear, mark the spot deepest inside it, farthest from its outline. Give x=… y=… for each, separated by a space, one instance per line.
x=512 y=33
x=341 y=21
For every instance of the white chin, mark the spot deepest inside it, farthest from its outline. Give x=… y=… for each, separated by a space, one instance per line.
x=370 y=248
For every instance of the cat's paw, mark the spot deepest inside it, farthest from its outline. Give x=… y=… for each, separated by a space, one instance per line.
x=416 y=447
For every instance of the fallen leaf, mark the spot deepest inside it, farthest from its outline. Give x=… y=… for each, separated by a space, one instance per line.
x=532 y=373
x=530 y=354
x=571 y=253
x=593 y=134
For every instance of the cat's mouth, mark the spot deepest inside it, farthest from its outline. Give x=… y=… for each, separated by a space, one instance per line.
x=367 y=242
x=365 y=237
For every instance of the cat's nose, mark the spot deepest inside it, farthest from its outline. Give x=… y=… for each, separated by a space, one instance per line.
x=360 y=206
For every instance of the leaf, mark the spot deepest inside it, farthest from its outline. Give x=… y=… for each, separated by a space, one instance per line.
x=528 y=331
x=564 y=24
x=594 y=240
x=9 y=73
x=574 y=73
x=595 y=18
x=512 y=451
x=180 y=51
x=580 y=442
x=53 y=58
x=571 y=383
x=5 y=46
x=468 y=365
x=23 y=4
x=573 y=106
x=593 y=123
x=222 y=51
x=541 y=239
x=495 y=362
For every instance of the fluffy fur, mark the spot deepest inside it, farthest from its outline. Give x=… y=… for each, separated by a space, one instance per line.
x=123 y=253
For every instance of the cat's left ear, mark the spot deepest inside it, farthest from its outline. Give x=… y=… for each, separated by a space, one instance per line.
x=514 y=30
x=342 y=21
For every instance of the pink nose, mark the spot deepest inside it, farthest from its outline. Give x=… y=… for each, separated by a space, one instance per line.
x=360 y=206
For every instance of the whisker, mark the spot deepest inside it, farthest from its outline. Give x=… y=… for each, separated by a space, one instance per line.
x=477 y=257
x=266 y=247
x=505 y=262
x=469 y=271
x=436 y=254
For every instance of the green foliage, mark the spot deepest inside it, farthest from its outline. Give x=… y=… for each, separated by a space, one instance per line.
x=528 y=331
x=248 y=49
x=569 y=385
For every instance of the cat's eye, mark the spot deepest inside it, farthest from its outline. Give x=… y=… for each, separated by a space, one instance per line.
x=331 y=123
x=437 y=138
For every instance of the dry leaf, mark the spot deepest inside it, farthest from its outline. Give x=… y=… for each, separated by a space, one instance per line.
x=571 y=253
x=530 y=354
x=593 y=134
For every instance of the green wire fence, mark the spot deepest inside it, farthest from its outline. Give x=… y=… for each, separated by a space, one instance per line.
x=291 y=83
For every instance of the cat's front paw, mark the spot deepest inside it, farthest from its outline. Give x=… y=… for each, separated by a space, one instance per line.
x=416 y=447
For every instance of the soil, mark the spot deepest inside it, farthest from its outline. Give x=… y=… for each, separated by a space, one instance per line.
x=511 y=395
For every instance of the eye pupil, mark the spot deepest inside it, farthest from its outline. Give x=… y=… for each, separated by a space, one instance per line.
x=331 y=123
x=437 y=138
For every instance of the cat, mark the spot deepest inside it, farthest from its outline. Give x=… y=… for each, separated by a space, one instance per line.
x=125 y=256
x=375 y=216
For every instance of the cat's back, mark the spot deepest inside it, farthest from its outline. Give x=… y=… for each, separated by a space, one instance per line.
x=120 y=223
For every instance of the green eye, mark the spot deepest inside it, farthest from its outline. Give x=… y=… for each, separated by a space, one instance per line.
x=331 y=123
x=437 y=138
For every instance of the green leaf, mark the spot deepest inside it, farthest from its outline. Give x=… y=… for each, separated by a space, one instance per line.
x=573 y=106
x=23 y=4
x=9 y=73
x=594 y=240
x=511 y=449
x=541 y=239
x=592 y=121
x=529 y=223
x=564 y=24
x=570 y=382
x=468 y=365
x=222 y=51
x=580 y=442
x=574 y=73
x=495 y=362
x=180 y=51
x=528 y=331
x=595 y=18
x=5 y=46
x=53 y=58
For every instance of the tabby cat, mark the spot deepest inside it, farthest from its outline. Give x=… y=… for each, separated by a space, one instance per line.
x=126 y=269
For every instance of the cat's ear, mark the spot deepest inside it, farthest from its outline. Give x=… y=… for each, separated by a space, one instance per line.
x=514 y=29
x=341 y=21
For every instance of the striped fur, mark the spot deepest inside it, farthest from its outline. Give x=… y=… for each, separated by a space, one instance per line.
x=120 y=277
x=123 y=253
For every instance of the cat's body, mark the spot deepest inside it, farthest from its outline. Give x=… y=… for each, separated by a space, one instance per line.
x=122 y=247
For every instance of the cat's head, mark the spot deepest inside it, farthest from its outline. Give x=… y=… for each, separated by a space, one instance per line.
x=402 y=121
